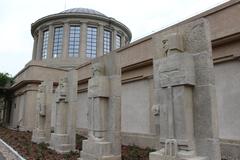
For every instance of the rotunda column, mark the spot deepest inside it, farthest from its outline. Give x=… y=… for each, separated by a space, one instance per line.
x=114 y=36
x=123 y=40
x=50 y=41
x=100 y=40
x=34 y=52
x=65 y=40
x=39 y=45
x=83 y=40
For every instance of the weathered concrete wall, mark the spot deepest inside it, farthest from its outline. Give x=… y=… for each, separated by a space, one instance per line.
x=228 y=91
x=136 y=107
x=82 y=111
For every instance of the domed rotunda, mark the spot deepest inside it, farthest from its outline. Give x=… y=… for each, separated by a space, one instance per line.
x=76 y=35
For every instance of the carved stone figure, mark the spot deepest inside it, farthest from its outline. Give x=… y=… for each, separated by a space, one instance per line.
x=63 y=138
x=98 y=93
x=61 y=91
x=41 y=100
x=39 y=133
x=172 y=43
x=176 y=77
x=104 y=114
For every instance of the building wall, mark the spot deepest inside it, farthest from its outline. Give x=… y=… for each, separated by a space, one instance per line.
x=82 y=110
x=228 y=91
x=30 y=109
x=137 y=91
x=136 y=106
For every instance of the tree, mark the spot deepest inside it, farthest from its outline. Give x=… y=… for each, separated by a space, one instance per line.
x=5 y=97
x=5 y=79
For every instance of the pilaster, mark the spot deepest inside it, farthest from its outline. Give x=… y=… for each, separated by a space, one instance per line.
x=34 y=52
x=65 y=40
x=114 y=36
x=39 y=45
x=123 y=39
x=50 y=41
x=83 y=40
x=100 y=41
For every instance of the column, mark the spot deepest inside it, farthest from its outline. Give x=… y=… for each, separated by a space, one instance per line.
x=83 y=40
x=65 y=40
x=39 y=45
x=34 y=52
x=123 y=39
x=114 y=36
x=50 y=41
x=100 y=41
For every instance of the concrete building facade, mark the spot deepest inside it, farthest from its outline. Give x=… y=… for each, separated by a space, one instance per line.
x=70 y=40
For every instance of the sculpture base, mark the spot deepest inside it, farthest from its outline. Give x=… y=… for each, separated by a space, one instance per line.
x=60 y=143
x=181 y=155
x=97 y=150
x=38 y=136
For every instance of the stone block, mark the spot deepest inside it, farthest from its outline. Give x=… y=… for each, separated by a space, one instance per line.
x=205 y=109
x=86 y=156
x=182 y=155
x=176 y=69
x=59 y=138
x=208 y=147
x=115 y=85
x=60 y=143
x=97 y=148
x=204 y=69
x=172 y=43
x=38 y=136
x=197 y=37
x=114 y=118
x=98 y=87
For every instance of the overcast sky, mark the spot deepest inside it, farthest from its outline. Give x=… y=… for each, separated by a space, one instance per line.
x=143 y=17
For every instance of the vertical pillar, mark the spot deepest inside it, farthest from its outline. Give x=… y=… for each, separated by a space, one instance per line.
x=83 y=40
x=65 y=40
x=50 y=41
x=114 y=36
x=100 y=41
x=34 y=52
x=39 y=45
x=123 y=39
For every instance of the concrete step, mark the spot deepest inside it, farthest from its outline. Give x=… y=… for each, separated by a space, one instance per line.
x=97 y=148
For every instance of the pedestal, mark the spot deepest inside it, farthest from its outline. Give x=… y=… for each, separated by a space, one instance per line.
x=181 y=155
x=38 y=136
x=60 y=143
x=97 y=150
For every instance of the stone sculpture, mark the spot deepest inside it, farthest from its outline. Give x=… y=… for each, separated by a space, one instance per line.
x=39 y=133
x=62 y=140
x=176 y=83
x=103 y=112
x=98 y=94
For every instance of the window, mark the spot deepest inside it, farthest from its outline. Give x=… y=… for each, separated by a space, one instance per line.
x=74 y=41
x=106 y=41
x=45 y=44
x=91 y=50
x=118 y=41
x=57 y=43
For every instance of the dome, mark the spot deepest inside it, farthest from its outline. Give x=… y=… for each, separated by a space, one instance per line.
x=83 y=11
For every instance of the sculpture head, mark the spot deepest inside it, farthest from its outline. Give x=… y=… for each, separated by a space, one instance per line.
x=172 y=43
x=97 y=69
